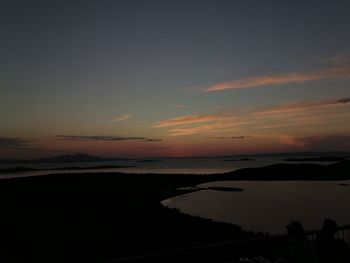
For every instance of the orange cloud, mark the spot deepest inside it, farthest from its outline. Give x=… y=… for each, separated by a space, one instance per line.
x=325 y=142
x=190 y=131
x=188 y=119
x=295 y=115
x=292 y=141
x=339 y=68
x=218 y=126
x=292 y=122
x=304 y=105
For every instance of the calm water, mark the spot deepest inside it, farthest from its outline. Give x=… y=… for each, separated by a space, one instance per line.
x=269 y=206
x=175 y=165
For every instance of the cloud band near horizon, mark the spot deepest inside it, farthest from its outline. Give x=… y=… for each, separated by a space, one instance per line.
x=105 y=138
x=267 y=118
x=230 y=137
x=17 y=144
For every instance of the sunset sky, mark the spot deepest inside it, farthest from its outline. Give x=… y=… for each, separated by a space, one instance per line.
x=149 y=78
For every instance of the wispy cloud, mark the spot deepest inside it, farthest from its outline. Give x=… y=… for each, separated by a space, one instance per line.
x=291 y=122
x=309 y=114
x=303 y=105
x=337 y=68
x=153 y=140
x=123 y=117
x=191 y=130
x=215 y=127
x=229 y=137
x=189 y=119
x=105 y=138
x=17 y=144
x=180 y=106
x=292 y=141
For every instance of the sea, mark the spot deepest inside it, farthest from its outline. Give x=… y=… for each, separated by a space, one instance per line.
x=268 y=206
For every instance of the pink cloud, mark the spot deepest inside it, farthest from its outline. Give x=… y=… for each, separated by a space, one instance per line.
x=327 y=142
x=338 y=68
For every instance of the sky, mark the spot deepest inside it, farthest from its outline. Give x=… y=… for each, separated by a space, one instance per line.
x=127 y=78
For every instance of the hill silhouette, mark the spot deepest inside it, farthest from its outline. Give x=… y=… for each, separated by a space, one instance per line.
x=30 y=169
x=95 y=217
x=317 y=159
x=286 y=171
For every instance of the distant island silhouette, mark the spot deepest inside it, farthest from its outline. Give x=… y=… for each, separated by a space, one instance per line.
x=71 y=158
x=224 y=189
x=29 y=169
x=189 y=189
x=239 y=160
x=149 y=161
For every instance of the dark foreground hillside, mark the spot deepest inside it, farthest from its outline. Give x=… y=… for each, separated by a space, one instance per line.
x=95 y=217
x=289 y=171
